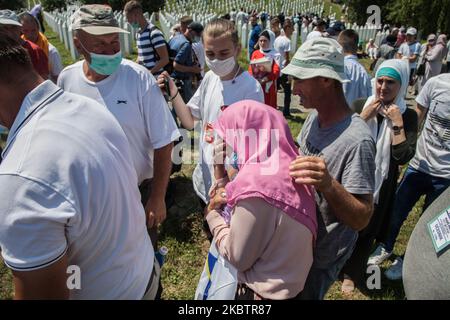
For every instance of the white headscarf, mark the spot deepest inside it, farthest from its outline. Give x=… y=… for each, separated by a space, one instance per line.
x=272 y=54
x=383 y=136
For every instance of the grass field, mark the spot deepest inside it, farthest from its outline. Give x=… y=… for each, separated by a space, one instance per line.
x=182 y=234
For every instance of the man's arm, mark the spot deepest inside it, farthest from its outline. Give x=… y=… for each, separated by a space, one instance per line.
x=163 y=59
x=186 y=69
x=46 y=283
x=353 y=210
x=421 y=114
x=162 y=164
x=413 y=58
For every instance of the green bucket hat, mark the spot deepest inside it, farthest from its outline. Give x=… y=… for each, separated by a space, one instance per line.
x=318 y=57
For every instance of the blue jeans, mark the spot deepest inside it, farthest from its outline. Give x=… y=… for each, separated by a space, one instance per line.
x=413 y=185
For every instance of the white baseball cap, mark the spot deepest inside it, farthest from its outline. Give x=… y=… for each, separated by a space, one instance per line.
x=411 y=31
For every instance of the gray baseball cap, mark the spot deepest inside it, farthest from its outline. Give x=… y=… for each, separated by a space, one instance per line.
x=9 y=17
x=96 y=19
x=318 y=57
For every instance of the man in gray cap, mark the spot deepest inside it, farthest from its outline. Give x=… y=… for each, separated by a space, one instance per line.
x=11 y=27
x=132 y=95
x=338 y=159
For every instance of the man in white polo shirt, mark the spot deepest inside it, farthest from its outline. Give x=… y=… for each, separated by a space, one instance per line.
x=132 y=95
x=68 y=194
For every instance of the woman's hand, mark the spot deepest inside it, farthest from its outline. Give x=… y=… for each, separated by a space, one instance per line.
x=371 y=110
x=218 y=200
x=162 y=78
x=393 y=113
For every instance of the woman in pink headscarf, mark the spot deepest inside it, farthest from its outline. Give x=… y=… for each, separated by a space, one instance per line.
x=269 y=238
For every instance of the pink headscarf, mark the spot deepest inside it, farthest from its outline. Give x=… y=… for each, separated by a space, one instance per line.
x=264 y=165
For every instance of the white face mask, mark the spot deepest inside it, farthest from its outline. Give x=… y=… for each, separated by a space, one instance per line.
x=222 y=67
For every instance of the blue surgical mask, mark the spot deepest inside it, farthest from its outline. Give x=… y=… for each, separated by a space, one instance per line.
x=136 y=25
x=104 y=64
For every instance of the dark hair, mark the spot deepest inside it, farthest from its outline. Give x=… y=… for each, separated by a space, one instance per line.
x=14 y=59
x=349 y=40
x=131 y=6
x=265 y=34
x=185 y=21
x=24 y=16
x=391 y=39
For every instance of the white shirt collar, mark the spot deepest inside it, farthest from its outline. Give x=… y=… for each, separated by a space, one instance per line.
x=38 y=97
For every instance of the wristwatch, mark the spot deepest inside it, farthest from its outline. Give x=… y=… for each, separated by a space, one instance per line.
x=397 y=130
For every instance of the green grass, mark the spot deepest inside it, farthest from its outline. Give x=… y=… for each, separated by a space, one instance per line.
x=182 y=233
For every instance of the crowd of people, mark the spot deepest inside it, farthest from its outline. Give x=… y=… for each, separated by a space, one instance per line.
x=89 y=154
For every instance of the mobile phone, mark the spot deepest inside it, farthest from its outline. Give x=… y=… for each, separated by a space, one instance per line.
x=166 y=89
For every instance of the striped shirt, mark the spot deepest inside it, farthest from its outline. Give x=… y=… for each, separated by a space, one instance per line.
x=144 y=39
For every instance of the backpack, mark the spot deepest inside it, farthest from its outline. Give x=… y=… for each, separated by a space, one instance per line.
x=169 y=66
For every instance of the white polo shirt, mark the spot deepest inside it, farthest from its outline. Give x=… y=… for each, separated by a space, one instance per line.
x=67 y=186
x=134 y=98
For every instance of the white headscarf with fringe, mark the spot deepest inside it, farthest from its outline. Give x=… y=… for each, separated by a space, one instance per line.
x=383 y=136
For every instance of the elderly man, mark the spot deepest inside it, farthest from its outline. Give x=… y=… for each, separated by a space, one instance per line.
x=69 y=204
x=132 y=95
x=10 y=26
x=30 y=30
x=338 y=159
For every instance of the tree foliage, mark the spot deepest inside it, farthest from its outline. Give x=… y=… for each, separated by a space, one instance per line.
x=14 y=5
x=425 y=15
x=50 y=5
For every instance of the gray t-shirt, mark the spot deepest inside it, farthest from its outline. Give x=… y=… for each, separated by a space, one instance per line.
x=433 y=147
x=349 y=152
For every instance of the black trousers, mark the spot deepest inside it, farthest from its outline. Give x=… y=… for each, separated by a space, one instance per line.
x=284 y=81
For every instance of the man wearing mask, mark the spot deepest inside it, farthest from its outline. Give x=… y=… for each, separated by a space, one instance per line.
x=152 y=49
x=183 y=65
x=130 y=92
x=254 y=35
x=225 y=84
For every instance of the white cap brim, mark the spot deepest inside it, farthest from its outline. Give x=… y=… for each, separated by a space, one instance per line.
x=101 y=30
x=10 y=22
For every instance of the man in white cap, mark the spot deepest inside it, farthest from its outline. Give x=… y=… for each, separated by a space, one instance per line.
x=10 y=25
x=131 y=93
x=410 y=50
x=338 y=159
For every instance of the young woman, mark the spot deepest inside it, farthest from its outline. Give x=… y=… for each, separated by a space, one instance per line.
x=394 y=128
x=267 y=233
x=268 y=80
x=225 y=84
